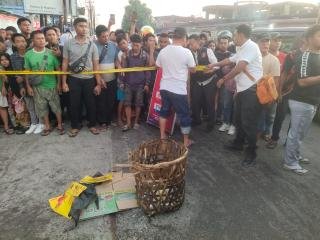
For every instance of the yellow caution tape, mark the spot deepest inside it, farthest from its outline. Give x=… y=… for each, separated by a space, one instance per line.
x=89 y=179
x=124 y=70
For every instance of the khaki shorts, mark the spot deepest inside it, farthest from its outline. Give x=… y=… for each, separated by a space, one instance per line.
x=43 y=98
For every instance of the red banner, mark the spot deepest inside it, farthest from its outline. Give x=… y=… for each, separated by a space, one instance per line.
x=155 y=106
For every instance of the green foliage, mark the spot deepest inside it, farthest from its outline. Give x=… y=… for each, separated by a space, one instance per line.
x=142 y=12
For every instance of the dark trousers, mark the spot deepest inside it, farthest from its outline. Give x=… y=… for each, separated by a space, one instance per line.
x=197 y=94
x=82 y=89
x=281 y=112
x=247 y=112
x=105 y=103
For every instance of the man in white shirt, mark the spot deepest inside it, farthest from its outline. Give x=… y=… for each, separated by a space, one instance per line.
x=247 y=72
x=202 y=84
x=176 y=61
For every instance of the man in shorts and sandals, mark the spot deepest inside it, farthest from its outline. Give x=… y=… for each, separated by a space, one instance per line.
x=176 y=62
x=44 y=88
x=134 y=83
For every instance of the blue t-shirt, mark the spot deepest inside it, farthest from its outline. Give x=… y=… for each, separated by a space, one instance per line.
x=112 y=53
x=108 y=61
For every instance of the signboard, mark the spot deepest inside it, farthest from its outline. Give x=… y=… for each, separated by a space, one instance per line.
x=155 y=106
x=52 y=7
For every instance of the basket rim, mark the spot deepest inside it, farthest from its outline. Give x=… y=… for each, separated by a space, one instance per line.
x=161 y=164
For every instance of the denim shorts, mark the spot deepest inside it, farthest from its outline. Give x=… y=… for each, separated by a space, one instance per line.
x=180 y=105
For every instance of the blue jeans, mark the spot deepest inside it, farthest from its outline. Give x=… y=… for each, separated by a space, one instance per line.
x=301 y=119
x=267 y=117
x=228 y=103
x=180 y=105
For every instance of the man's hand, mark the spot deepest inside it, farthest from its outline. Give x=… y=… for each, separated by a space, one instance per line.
x=208 y=71
x=211 y=66
x=19 y=79
x=56 y=52
x=220 y=83
x=59 y=89
x=22 y=92
x=103 y=84
x=97 y=90
x=146 y=88
x=65 y=87
x=152 y=47
x=30 y=91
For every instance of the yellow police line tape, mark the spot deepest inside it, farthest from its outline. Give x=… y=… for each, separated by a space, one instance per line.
x=120 y=70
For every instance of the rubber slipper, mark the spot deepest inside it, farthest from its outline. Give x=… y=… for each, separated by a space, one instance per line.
x=94 y=131
x=45 y=132
x=8 y=131
x=61 y=131
x=73 y=132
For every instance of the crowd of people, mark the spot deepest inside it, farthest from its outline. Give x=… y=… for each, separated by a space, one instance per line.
x=223 y=94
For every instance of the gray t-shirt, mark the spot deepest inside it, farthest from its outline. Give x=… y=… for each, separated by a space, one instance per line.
x=73 y=50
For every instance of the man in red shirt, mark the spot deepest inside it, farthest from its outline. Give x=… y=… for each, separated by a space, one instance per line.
x=275 y=45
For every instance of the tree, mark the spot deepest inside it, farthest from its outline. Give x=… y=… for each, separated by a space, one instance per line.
x=138 y=10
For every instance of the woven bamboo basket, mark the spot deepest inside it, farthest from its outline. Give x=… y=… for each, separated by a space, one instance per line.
x=160 y=167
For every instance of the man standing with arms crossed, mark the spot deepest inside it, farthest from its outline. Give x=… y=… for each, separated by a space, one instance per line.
x=247 y=72
x=176 y=62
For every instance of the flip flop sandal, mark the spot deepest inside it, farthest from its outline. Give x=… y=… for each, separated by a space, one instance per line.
x=8 y=131
x=73 y=133
x=94 y=131
x=45 y=132
x=61 y=131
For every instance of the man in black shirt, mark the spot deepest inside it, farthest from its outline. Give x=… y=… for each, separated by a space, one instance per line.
x=304 y=101
x=24 y=25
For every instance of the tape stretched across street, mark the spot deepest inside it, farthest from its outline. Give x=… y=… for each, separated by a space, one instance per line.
x=134 y=69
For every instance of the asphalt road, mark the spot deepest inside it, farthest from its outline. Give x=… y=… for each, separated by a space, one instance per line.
x=223 y=200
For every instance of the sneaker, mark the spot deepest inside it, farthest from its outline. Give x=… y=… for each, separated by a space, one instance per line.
x=297 y=170
x=136 y=126
x=39 y=128
x=31 y=129
x=304 y=160
x=232 y=130
x=225 y=127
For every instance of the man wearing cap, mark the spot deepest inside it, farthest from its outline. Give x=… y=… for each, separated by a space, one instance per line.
x=275 y=45
x=176 y=62
x=247 y=72
x=271 y=67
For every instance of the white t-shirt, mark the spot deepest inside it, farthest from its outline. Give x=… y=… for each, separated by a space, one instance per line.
x=250 y=53
x=175 y=62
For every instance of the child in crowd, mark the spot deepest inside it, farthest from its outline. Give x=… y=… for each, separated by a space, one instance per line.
x=123 y=45
x=16 y=106
x=4 y=105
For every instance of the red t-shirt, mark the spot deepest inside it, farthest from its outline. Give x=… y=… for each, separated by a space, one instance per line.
x=282 y=57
